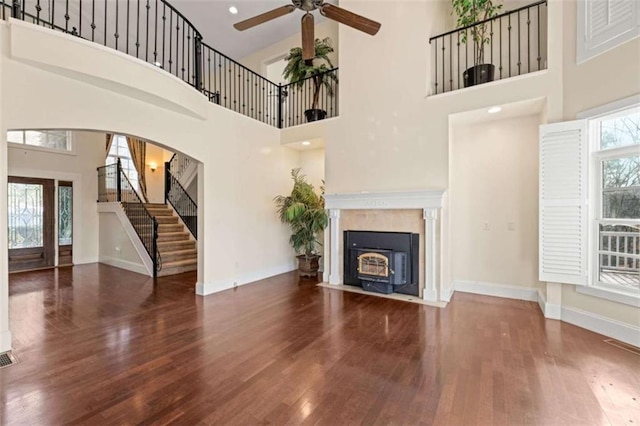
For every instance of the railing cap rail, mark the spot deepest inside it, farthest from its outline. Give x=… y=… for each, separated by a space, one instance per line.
x=484 y=21
x=165 y=2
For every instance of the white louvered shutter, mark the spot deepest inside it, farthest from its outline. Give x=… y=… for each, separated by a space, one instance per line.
x=604 y=24
x=563 y=239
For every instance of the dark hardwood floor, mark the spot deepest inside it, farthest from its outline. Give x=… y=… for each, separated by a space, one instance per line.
x=99 y=345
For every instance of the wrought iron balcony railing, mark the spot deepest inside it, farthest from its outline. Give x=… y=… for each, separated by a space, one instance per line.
x=156 y=32
x=507 y=45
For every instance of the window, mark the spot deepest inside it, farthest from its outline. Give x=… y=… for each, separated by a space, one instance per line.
x=48 y=139
x=616 y=167
x=589 y=232
x=605 y=24
x=120 y=149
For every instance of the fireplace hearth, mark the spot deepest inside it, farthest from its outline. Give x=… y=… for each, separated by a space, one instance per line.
x=383 y=262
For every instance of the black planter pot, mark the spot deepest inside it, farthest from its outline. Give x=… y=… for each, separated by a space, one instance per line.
x=478 y=74
x=315 y=114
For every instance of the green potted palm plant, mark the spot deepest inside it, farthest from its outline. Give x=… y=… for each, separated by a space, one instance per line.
x=470 y=12
x=303 y=210
x=297 y=71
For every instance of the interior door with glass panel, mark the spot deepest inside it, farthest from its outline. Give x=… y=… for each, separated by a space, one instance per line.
x=30 y=223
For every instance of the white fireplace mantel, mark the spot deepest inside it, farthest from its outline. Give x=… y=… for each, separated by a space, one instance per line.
x=385 y=200
x=429 y=201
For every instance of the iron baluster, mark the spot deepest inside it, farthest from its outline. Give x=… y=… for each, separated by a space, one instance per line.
x=93 y=20
x=528 y=40
x=138 y=30
x=155 y=34
x=115 y=35
x=146 y=40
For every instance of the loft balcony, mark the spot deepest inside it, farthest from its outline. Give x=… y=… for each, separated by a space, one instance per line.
x=156 y=32
x=511 y=44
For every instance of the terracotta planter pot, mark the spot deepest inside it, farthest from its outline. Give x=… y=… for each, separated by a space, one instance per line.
x=308 y=266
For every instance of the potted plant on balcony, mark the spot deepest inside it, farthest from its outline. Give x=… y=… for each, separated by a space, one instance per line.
x=469 y=13
x=297 y=71
x=303 y=210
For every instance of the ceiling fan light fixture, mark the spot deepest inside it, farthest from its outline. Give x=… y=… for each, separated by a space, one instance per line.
x=233 y=10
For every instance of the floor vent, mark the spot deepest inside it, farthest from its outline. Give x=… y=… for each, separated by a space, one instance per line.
x=7 y=359
x=625 y=346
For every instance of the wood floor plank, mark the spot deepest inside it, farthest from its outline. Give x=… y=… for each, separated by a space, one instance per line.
x=99 y=345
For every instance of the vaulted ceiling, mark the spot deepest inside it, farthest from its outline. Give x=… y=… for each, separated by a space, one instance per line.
x=213 y=19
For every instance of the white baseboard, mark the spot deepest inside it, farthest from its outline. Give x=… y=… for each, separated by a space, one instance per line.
x=124 y=264
x=590 y=321
x=206 y=288
x=86 y=260
x=602 y=325
x=498 y=290
x=447 y=293
x=5 y=341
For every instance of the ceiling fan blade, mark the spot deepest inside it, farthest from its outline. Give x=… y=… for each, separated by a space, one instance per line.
x=264 y=17
x=308 y=42
x=349 y=18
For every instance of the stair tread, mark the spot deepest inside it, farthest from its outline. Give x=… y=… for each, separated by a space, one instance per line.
x=172 y=233
x=168 y=243
x=181 y=252
x=179 y=263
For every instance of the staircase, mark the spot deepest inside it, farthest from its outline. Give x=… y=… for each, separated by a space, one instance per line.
x=177 y=248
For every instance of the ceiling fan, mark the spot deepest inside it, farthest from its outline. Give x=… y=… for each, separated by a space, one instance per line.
x=326 y=9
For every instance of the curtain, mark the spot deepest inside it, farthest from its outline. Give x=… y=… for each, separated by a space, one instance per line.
x=109 y=141
x=138 y=150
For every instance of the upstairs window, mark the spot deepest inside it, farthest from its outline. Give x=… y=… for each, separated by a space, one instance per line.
x=58 y=140
x=605 y=24
x=120 y=149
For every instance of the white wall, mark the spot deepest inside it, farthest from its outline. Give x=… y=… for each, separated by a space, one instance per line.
x=155 y=180
x=115 y=246
x=312 y=165
x=390 y=134
x=80 y=168
x=494 y=182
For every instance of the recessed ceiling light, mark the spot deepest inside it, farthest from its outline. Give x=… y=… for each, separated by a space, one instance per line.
x=493 y=110
x=306 y=143
x=233 y=10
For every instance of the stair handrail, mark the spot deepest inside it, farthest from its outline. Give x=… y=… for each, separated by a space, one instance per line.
x=180 y=200
x=127 y=195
